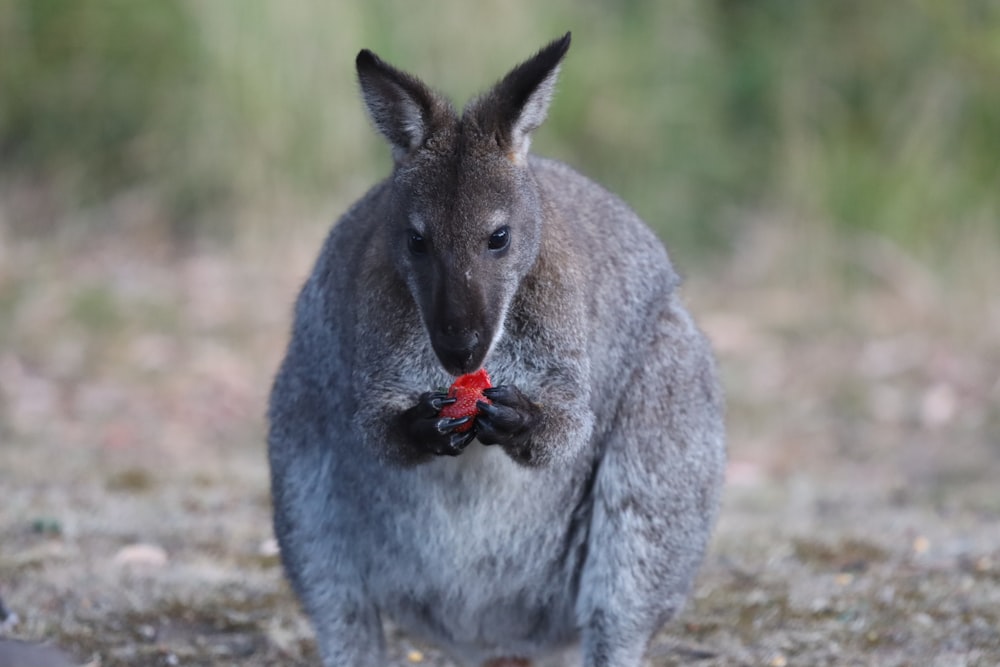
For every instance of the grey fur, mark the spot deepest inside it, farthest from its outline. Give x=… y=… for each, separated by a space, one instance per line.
x=585 y=523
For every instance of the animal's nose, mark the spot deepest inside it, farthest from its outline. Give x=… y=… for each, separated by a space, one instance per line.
x=458 y=339
x=458 y=349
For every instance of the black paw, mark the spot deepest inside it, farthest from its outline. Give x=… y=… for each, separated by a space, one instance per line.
x=424 y=426
x=508 y=421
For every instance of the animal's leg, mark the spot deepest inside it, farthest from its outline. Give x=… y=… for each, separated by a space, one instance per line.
x=349 y=634
x=312 y=530
x=655 y=497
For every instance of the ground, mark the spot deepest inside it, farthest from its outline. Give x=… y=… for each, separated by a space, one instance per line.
x=861 y=521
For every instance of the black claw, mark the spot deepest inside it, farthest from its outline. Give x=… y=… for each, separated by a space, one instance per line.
x=439 y=402
x=447 y=425
x=461 y=440
x=506 y=394
x=456 y=444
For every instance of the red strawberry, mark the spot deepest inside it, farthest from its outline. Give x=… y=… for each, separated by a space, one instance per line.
x=467 y=389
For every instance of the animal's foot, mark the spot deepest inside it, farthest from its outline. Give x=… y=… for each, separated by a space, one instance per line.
x=508 y=662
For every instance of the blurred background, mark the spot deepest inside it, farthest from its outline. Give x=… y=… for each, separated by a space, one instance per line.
x=862 y=118
x=826 y=175
x=167 y=173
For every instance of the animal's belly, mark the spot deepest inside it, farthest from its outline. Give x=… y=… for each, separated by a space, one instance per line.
x=484 y=556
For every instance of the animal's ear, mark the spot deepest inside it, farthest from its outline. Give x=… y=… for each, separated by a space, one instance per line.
x=401 y=106
x=518 y=104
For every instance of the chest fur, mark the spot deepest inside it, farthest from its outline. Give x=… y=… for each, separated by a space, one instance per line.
x=477 y=544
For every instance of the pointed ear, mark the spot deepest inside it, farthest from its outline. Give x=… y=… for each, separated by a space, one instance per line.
x=402 y=108
x=518 y=104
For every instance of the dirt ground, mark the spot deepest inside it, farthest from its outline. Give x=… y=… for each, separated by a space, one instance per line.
x=861 y=523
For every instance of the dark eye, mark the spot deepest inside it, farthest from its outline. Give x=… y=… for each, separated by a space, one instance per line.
x=416 y=243
x=500 y=239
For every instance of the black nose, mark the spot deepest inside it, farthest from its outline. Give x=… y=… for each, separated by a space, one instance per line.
x=459 y=351
x=456 y=339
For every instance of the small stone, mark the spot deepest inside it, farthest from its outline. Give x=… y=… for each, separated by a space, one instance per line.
x=146 y=632
x=939 y=405
x=269 y=548
x=141 y=555
x=744 y=473
x=820 y=606
x=415 y=656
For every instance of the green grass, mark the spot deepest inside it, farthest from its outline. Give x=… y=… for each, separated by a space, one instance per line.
x=873 y=118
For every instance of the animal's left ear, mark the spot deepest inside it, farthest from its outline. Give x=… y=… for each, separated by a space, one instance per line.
x=517 y=105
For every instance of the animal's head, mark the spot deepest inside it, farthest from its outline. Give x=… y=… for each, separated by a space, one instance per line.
x=466 y=220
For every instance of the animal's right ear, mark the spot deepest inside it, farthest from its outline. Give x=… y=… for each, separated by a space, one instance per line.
x=401 y=106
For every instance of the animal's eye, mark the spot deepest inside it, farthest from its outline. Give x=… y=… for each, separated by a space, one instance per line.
x=500 y=239
x=416 y=243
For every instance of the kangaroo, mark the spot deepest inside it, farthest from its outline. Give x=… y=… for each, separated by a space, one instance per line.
x=570 y=520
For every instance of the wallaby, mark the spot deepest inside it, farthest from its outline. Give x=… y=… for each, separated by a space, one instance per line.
x=571 y=519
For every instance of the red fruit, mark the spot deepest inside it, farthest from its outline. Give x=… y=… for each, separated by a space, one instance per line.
x=466 y=390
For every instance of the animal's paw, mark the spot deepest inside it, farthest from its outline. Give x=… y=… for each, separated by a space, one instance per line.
x=428 y=429
x=508 y=420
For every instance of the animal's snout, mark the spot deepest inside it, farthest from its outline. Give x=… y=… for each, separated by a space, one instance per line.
x=458 y=340
x=459 y=332
x=460 y=326
x=458 y=348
